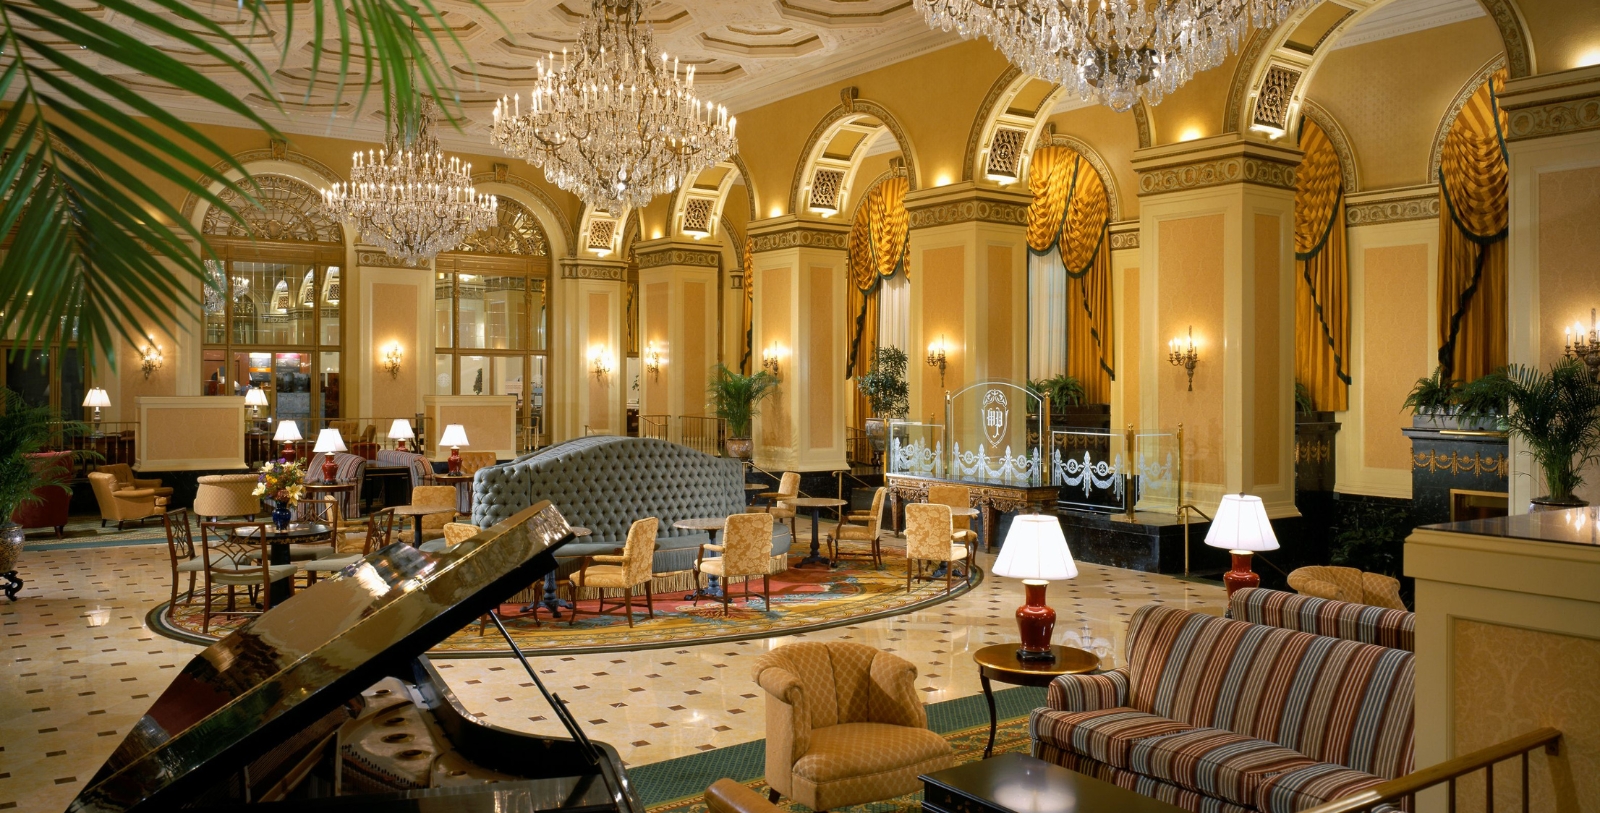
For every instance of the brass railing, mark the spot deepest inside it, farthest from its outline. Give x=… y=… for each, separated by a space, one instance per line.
x=858 y=451
x=654 y=426
x=702 y=434
x=1447 y=772
x=108 y=442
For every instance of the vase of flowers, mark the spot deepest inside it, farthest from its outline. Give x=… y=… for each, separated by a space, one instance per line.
x=283 y=483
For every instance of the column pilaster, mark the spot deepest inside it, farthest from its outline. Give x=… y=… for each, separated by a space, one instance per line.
x=677 y=326
x=591 y=299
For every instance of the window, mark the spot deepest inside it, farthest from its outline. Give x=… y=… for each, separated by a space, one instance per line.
x=491 y=316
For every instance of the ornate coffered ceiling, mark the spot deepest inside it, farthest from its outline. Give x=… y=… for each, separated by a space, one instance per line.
x=746 y=52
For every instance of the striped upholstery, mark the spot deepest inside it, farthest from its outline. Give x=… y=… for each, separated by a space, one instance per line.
x=351 y=469
x=1221 y=715
x=420 y=469
x=1336 y=619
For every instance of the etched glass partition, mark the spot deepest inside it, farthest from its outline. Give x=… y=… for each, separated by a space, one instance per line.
x=916 y=448
x=994 y=434
x=1157 y=472
x=1090 y=467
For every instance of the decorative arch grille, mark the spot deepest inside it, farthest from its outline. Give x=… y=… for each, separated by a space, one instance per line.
x=516 y=232
x=288 y=210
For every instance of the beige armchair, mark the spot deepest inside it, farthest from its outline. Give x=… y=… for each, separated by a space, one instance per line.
x=122 y=504
x=957 y=497
x=624 y=571
x=124 y=474
x=864 y=528
x=226 y=495
x=930 y=538
x=782 y=507
x=844 y=725
x=432 y=524
x=1348 y=584
x=746 y=553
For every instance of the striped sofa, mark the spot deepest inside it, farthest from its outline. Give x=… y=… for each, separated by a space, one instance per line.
x=1321 y=616
x=1227 y=716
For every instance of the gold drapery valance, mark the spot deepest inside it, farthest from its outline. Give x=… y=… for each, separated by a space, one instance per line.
x=1472 y=237
x=749 y=303
x=1322 y=273
x=1071 y=214
x=877 y=249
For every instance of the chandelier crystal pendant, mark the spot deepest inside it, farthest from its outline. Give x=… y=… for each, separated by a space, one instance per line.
x=1114 y=52
x=615 y=123
x=407 y=198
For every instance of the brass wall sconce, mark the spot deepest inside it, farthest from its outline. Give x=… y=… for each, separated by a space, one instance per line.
x=938 y=358
x=769 y=358
x=391 y=360
x=600 y=362
x=1586 y=348
x=1184 y=356
x=652 y=361
x=150 y=358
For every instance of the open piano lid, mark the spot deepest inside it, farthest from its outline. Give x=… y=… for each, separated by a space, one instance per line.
x=289 y=667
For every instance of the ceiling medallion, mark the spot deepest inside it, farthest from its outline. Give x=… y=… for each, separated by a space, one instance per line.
x=1114 y=52
x=407 y=198
x=615 y=123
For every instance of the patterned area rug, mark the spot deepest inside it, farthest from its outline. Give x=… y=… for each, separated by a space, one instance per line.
x=678 y=785
x=802 y=600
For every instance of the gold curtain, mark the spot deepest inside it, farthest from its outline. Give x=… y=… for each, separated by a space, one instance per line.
x=1322 y=274
x=1072 y=212
x=1472 y=238
x=877 y=249
x=749 y=303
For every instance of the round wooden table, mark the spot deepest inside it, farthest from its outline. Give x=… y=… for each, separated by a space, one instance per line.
x=1000 y=662
x=417 y=512
x=816 y=504
x=278 y=543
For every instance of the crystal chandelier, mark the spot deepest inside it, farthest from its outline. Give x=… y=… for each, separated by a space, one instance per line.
x=407 y=198
x=615 y=123
x=1112 y=51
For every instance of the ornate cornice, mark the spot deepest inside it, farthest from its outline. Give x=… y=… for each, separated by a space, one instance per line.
x=789 y=231
x=1552 y=104
x=589 y=269
x=966 y=203
x=1225 y=161
x=656 y=257
x=1392 y=205
x=376 y=258
x=1125 y=235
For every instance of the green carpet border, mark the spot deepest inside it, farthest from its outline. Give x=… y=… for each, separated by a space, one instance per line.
x=657 y=783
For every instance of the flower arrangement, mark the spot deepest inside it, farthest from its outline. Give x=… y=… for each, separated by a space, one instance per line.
x=281 y=482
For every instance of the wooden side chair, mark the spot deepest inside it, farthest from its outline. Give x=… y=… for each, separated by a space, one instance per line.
x=181 y=553
x=864 y=528
x=235 y=559
x=746 y=552
x=379 y=527
x=930 y=538
x=625 y=570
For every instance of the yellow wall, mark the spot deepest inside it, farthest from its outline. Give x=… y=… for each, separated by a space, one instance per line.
x=1189 y=280
x=1396 y=284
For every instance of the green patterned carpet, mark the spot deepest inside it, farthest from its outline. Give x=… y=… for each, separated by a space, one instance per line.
x=676 y=785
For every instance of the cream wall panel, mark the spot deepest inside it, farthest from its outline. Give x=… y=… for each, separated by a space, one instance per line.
x=191 y=433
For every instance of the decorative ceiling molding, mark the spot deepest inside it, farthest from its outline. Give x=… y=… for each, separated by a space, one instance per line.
x=1216 y=161
x=591 y=269
x=850 y=107
x=1124 y=235
x=1567 y=102
x=790 y=232
x=1396 y=19
x=967 y=203
x=658 y=256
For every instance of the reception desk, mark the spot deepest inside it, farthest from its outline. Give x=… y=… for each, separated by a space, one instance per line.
x=1508 y=640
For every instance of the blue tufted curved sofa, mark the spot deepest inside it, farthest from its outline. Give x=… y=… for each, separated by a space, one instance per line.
x=605 y=483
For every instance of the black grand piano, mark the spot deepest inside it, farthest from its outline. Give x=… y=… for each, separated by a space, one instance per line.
x=327 y=702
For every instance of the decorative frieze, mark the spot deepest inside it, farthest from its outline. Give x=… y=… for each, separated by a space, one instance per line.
x=1392 y=206
x=1554 y=118
x=801 y=237
x=1231 y=169
x=968 y=211
x=376 y=258
x=1121 y=240
x=581 y=270
x=678 y=256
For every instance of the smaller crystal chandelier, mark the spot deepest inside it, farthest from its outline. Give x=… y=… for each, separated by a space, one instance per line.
x=407 y=198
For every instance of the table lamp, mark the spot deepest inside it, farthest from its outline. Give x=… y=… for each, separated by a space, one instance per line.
x=329 y=441
x=1036 y=552
x=1241 y=528
x=97 y=398
x=288 y=433
x=455 y=436
x=255 y=398
x=400 y=432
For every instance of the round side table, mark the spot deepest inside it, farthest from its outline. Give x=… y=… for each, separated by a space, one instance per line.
x=1000 y=662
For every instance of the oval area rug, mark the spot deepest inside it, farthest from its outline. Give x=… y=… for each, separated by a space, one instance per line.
x=802 y=600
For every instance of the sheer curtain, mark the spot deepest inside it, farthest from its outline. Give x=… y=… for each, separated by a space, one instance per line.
x=894 y=313
x=1047 y=315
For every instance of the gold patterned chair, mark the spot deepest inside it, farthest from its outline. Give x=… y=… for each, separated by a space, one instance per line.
x=1348 y=584
x=235 y=555
x=865 y=529
x=956 y=497
x=930 y=538
x=625 y=571
x=782 y=507
x=432 y=524
x=746 y=552
x=844 y=725
x=227 y=495
x=122 y=504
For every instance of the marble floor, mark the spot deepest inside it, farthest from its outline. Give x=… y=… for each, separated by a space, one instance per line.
x=70 y=692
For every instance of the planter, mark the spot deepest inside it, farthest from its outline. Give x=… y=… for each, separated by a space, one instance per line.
x=878 y=434
x=1452 y=422
x=1315 y=417
x=1538 y=504
x=1080 y=416
x=739 y=448
x=11 y=540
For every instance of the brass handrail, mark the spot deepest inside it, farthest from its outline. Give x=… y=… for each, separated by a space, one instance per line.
x=1448 y=771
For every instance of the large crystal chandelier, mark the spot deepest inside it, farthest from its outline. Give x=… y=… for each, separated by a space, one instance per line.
x=615 y=123
x=1112 y=51
x=407 y=198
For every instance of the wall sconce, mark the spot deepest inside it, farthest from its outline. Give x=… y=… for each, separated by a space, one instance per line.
x=770 y=356
x=150 y=358
x=391 y=359
x=1586 y=348
x=937 y=358
x=652 y=361
x=1184 y=356
x=600 y=362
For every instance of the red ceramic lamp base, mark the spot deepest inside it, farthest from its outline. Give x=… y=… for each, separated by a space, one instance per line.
x=1036 y=622
x=1241 y=576
x=455 y=460
x=330 y=469
x=288 y=452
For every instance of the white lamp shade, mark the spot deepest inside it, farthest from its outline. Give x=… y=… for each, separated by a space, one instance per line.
x=287 y=431
x=97 y=397
x=256 y=397
x=1241 y=524
x=454 y=435
x=1035 y=549
x=329 y=441
x=401 y=430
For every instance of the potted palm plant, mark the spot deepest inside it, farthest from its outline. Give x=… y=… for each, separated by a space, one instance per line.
x=1556 y=415
x=25 y=431
x=1433 y=401
x=886 y=390
x=733 y=399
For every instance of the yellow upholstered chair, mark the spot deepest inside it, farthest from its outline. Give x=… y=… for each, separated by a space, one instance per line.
x=227 y=495
x=956 y=497
x=866 y=530
x=624 y=571
x=782 y=506
x=432 y=524
x=122 y=504
x=125 y=478
x=457 y=532
x=1347 y=584
x=746 y=552
x=472 y=461
x=844 y=725
x=930 y=538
